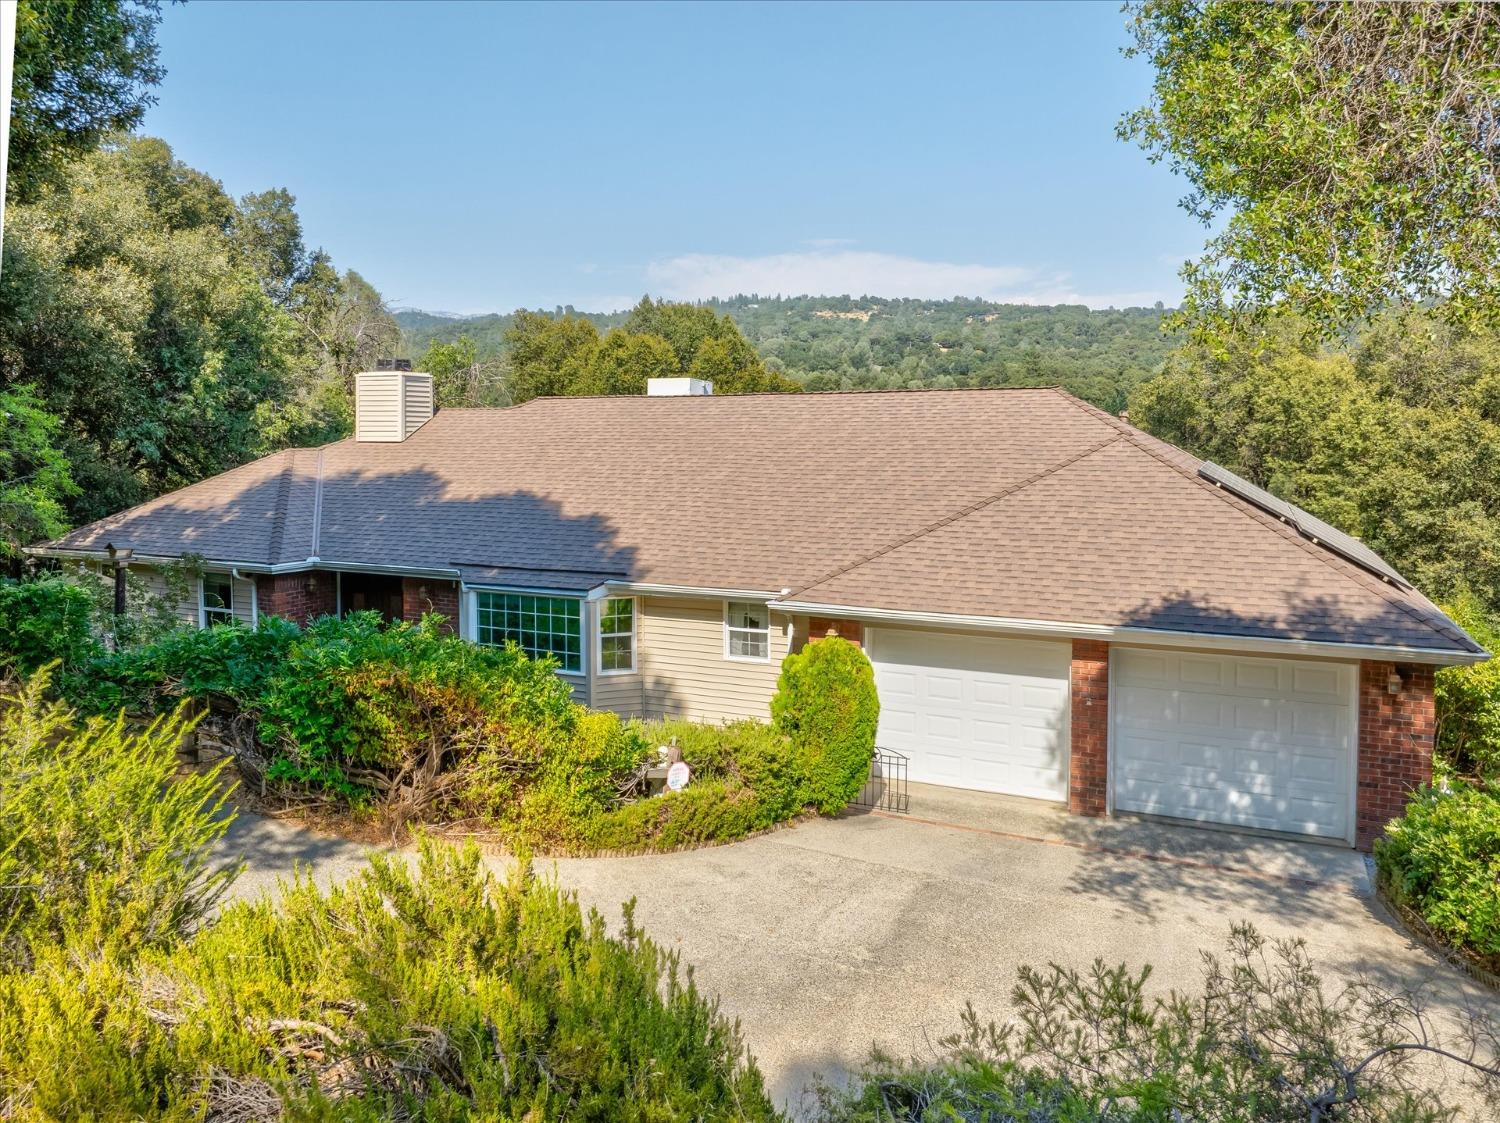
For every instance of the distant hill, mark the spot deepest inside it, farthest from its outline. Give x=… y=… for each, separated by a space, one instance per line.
x=830 y=343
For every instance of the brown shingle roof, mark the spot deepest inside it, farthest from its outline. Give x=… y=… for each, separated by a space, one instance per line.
x=1019 y=503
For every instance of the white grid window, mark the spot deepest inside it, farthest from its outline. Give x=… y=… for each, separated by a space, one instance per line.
x=617 y=636
x=217 y=603
x=747 y=631
x=539 y=626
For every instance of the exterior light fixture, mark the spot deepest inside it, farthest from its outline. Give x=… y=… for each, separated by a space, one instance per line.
x=1395 y=682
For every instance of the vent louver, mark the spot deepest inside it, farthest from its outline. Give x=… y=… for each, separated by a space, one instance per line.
x=1309 y=526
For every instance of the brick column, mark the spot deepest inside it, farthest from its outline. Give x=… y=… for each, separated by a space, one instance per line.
x=1088 y=765
x=419 y=596
x=299 y=597
x=1396 y=734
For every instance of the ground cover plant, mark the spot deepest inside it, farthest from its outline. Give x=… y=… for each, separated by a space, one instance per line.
x=1265 y=1041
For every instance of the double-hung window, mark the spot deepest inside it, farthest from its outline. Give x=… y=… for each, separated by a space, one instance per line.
x=617 y=636
x=538 y=625
x=747 y=631
x=216 y=599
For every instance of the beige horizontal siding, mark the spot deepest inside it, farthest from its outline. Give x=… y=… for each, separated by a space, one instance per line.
x=187 y=608
x=684 y=672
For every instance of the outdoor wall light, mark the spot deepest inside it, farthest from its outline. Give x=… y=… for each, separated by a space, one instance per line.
x=1395 y=682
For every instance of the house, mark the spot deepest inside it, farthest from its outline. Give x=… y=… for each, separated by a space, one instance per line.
x=1056 y=604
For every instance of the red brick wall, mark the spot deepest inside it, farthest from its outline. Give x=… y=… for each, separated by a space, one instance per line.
x=1088 y=766
x=420 y=596
x=299 y=597
x=819 y=626
x=1395 y=745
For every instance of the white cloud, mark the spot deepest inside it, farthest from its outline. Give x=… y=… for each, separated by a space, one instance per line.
x=830 y=272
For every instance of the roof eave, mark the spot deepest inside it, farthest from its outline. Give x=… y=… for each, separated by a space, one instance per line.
x=1124 y=633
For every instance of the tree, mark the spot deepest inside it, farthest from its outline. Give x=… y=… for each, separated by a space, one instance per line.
x=625 y=360
x=34 y=477
x=460 y=377
x=83 y=70
x=1353 y=145
x=171 y=332
x=549 y=357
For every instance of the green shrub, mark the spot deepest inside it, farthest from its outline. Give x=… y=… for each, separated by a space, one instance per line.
x=441 y=995
x=228 y=661
x=101 y=842
x=1442 y=859
x=368 y=712
x=44 y=621
x=577 y=781
x=1468 y=699
x=705 y=812
x=826 y=704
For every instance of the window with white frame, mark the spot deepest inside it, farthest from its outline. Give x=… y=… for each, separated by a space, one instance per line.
x=747 y=631
x=538 y=625
x=617 y=636
x=216 y=601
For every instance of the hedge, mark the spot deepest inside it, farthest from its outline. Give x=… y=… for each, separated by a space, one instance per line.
x=406 y=724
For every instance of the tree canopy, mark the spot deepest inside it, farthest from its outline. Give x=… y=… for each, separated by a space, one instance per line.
x=83 y=70
x=1355 y=149
x=170 y=331
x=566 y=355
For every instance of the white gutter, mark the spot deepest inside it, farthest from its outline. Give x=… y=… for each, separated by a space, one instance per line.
x=303 y=566
x=648 y=589
x=1124 y=633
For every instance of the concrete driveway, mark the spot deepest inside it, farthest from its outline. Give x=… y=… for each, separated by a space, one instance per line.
x=834 y=935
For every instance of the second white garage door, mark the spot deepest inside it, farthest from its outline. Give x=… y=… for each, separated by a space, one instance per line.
x=1265 y=743
x=975 y=711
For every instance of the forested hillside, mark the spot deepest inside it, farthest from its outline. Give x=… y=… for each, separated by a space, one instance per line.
x=870 y=343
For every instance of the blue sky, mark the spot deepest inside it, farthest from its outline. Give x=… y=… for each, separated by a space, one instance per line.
x=481 y=157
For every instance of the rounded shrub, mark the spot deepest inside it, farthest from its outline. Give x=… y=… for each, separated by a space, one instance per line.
x=826 y=705
x=44 y=621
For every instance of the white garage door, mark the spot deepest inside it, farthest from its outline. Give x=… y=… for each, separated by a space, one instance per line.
x=1265 y=743
x=974 y=711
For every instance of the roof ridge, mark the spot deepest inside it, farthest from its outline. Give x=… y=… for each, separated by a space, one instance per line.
x=1348 y=570
x=961 y=513
x=792 y=395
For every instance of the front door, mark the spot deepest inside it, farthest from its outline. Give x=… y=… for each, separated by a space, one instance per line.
x=364 y=592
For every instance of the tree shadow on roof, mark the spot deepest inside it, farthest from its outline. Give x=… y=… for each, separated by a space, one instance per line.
x=1316 y=619
x=403 y=518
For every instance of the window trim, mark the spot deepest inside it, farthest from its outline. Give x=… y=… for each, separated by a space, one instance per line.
x=582 y=670
x=724 y=621
x=599 y=636
x=225 y=615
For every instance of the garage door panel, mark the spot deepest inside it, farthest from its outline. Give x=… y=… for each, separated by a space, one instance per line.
x=1263 y=743
x=990 y=713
